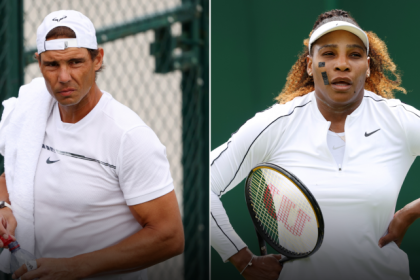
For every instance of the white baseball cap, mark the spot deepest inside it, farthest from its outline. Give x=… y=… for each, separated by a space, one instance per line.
x=76 y=21
x=339 y=25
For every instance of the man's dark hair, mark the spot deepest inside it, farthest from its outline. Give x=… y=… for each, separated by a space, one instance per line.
x=63 y=31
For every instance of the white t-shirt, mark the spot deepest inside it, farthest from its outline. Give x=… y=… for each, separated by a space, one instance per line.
x=357 y=202
x=88 y=174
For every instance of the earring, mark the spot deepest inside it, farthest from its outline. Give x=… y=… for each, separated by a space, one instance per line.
x=310 y=74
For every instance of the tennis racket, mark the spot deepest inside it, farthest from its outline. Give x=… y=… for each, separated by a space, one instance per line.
x=284 y=212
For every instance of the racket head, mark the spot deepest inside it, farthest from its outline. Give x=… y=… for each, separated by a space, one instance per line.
x=284 y=211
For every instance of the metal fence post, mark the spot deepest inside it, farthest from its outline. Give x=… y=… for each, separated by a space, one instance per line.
x=11 y=58
x=195 y=94
x=11 y=51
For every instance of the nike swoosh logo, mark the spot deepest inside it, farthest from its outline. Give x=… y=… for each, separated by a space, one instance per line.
x=335 y=148
x=49 y=161
x=369 y=134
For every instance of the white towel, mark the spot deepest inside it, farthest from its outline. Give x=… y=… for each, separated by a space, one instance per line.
x=22 y=131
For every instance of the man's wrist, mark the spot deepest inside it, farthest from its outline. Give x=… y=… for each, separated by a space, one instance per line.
x=241 y=259
x=3 y=210
x=80 y=268
x=5 y=204
x=6 y=199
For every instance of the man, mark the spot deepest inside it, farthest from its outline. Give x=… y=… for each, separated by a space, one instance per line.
x=100 y=199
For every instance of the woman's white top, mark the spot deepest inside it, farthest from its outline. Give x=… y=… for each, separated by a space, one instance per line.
x=357 y=200
x=337 y=144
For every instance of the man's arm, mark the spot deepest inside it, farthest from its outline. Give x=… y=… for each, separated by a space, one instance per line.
x=7 y=219
x=4 y=194
x=161 y=238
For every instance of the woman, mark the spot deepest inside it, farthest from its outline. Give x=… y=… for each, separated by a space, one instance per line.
x=338 y=130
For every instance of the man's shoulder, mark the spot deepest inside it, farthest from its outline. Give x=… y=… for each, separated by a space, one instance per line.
x=120 y=115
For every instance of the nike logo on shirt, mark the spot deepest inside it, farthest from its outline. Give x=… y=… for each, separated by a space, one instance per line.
x=49 y=161
x=335 y=148
x=369 y=134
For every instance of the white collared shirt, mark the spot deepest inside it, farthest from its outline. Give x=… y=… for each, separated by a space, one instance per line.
x=357 y=202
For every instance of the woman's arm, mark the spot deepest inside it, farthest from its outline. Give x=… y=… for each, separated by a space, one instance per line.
x=230 y=164
x=401 y=222
x=231 y=247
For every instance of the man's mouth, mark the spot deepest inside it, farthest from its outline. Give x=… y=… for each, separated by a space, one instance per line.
x=66 y=91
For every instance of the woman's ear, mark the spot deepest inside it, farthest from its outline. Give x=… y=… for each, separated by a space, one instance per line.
x=309 y=65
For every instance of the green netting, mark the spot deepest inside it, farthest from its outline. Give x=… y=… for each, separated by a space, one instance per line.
x=156 y=57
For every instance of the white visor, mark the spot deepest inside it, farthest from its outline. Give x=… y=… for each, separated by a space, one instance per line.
x=339 y=25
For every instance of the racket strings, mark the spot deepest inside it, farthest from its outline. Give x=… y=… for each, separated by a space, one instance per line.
x=284 y=212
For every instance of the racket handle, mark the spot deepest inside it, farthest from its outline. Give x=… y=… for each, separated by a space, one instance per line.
x=283 y=259
x=261 y=243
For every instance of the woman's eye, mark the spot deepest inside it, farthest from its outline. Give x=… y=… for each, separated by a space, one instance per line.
x=328 y=53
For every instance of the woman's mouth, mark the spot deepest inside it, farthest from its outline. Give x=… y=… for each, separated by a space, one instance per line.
x=341 y=84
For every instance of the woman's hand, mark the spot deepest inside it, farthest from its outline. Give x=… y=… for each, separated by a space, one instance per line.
x=396 y=230
x=401 y=222
x=262 y=268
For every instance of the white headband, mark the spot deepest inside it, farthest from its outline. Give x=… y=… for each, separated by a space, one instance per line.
x=339 y=25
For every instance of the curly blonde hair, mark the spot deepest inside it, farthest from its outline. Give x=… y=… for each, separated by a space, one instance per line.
x=299 y=83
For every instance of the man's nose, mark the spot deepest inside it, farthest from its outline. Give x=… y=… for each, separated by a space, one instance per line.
x=64 y=75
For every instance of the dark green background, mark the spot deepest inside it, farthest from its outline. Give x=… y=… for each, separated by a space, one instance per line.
x=253 y=46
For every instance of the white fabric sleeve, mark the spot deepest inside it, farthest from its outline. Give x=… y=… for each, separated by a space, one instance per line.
x=249 y=146
x=410 y=121
x=224 y=239
x=9 y=106
x=142 y=166
x=230 y=164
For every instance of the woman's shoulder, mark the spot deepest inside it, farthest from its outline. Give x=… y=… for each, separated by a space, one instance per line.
x=392 y=105
x=277 y=115
x=286 y=109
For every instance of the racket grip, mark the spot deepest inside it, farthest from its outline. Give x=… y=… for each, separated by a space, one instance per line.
x=261 y=243
x=283 y=259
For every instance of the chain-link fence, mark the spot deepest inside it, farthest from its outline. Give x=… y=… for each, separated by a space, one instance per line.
x=156 y=58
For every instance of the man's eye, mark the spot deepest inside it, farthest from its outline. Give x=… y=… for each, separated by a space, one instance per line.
x=51 y=64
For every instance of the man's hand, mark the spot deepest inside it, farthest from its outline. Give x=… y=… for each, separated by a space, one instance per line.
x=7 y=219
x=262 y=268
x=49 y=269
x=397 y=229
x=7 y=224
